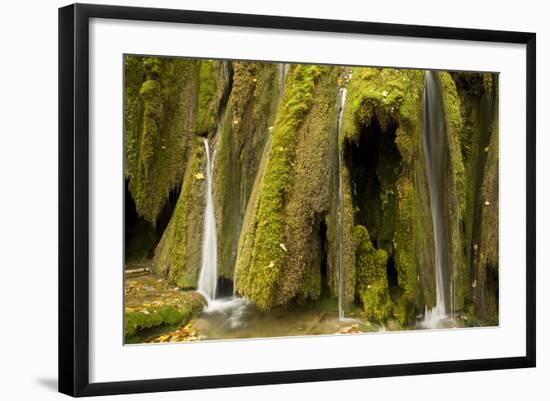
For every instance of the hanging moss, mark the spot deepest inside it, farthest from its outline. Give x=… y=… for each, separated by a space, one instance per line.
x=455 y=189
x=159 y=117
x=372 y=282
x=393 y=99
x=245 y=129
x=260 y=258
x=212 y=81
x=308 y=201
x=178 y=254
x=277 y=175
x=478 y=95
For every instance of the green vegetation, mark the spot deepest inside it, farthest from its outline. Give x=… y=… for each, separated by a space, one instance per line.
x=260 y=259
x=150 y=303
x=178 y=253
x=160 y=98
x=286 y=236
x=372 y=282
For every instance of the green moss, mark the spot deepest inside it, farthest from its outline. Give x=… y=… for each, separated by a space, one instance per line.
x=372 y=282
x=179 y=311
x=456 y=188
x=242 y=138
x=208 y=99
x=308 y=229
x=454 y=120
x=405 y=256
x=478 y=95
x=390 y=95
x=160 y=104
x=134 y=73
x=394 y=98
x=178 y=254
x=260 y=260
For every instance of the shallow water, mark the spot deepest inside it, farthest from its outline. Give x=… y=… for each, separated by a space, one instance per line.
x=233 y=318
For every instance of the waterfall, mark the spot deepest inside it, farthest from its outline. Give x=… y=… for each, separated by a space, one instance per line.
x=208 y=278
x=283 y=71
x=340 y=225
x=434 y=143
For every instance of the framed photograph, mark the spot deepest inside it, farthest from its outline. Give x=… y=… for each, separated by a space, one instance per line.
x=251 y=199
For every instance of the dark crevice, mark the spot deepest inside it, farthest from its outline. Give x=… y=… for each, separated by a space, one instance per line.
x=167 y=210
x=224 y=288
x=140 y=236
x=374 y=164
x=391 y=273
x=226 y=92
x=324 y=245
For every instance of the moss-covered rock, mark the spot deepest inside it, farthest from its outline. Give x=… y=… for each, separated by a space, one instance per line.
x=244 y=132
x=372 y=282
x=179 y=310
x=455 y=192
x=160 y=104
x=178 y=254
x=280 y=164
x=262 y=259
x=213 y=80
x=389 y=102
x=478 y=95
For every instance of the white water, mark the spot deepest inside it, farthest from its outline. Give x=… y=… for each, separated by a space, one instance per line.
x=341 y=273
x=208 y=278
x=283 y=71
x=433 y=142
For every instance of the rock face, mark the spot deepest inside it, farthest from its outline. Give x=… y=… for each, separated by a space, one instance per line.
x=280 y=155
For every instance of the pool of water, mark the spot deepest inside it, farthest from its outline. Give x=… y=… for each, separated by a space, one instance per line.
x=234 y=318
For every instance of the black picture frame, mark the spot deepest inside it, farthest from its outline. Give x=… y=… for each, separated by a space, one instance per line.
x=74 y=198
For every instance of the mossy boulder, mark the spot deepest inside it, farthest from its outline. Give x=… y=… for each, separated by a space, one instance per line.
x=179 y=310
x=372 y=281
x=264 y=272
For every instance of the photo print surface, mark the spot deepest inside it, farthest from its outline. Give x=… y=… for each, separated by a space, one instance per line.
x=269 y=199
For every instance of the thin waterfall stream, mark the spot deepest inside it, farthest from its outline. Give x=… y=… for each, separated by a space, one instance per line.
x=209 y=268
x=434 y=142
x=340 y=213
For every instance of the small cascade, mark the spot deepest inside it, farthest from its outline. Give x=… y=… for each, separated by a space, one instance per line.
x=340 y=213
x=434 y=143
x=283 y=71
x=209 y=269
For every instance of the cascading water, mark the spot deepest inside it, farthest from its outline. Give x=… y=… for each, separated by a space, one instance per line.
x=434 y=142
x=340 y=230
x=283 y=71
x=208 y=278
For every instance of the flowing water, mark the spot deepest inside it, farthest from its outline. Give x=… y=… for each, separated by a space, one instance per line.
x=434 y=142
x=339 y=247
x=240 y=320
x=209 y=269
